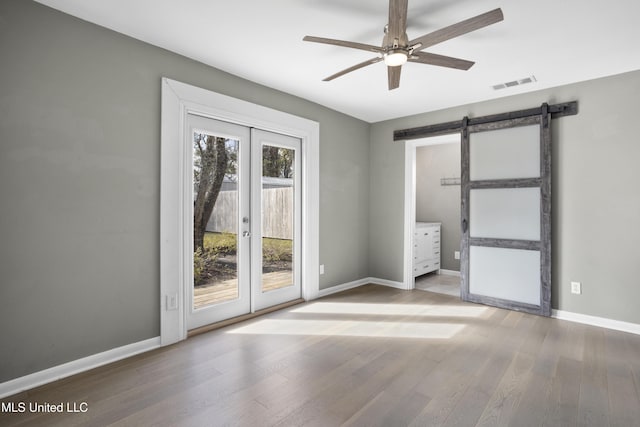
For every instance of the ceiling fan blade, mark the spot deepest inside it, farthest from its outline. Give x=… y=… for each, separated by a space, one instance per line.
x=394 y=77
x=455 y=30
x=440 y=60
x=343 y=43
x=397 y=22
x=350 y=69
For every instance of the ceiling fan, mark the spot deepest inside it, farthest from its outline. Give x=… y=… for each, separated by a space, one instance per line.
x=397 y=49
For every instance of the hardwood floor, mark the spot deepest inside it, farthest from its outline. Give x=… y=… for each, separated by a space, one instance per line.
x=372 y=356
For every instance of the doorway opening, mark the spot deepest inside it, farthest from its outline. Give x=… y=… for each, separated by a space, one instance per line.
x=432 y=215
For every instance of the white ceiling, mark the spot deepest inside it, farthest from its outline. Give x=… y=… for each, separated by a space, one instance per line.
x=558 y=41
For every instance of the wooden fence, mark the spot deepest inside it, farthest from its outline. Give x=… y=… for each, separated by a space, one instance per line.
x=277 y=213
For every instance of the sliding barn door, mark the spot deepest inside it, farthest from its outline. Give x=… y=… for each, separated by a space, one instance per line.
x=506 y=214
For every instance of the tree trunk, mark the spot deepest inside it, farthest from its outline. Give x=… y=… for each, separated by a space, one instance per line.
x=270 y=162
x=213 y=159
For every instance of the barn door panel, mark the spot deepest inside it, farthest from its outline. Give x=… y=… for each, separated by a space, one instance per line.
x=506 y=206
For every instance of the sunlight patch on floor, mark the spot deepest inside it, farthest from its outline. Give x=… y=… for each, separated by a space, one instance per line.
x=391 y=309
x=350 y=328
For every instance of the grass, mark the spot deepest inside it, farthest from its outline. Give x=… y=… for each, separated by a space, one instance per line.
x=277 y=254
x=221 y=243
x=226 y=244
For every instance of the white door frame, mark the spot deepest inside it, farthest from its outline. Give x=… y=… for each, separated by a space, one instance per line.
x=179 y=99
x=410 y=197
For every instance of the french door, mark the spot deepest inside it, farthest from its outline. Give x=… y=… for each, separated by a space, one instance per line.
x=506 y=214
x=276 y=204
x=242 y=206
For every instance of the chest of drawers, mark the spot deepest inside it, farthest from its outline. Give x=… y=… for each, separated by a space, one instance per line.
x=426 y=248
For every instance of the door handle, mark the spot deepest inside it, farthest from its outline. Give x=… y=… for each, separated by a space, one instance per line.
x=464 y=225
x=246 y=234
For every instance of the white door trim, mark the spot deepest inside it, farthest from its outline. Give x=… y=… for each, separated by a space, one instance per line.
x=179 y=99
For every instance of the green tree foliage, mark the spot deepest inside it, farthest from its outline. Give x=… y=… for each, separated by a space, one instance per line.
x=277 y=162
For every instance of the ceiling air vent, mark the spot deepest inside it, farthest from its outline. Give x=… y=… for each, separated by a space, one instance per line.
x=523 y=81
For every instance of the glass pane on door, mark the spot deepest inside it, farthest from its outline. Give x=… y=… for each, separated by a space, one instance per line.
x=509 y=274
x=505 y=153
x=505 y=213
x=215 y=219
x=278 y=217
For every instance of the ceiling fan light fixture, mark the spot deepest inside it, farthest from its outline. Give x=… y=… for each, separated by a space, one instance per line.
x=395 y=57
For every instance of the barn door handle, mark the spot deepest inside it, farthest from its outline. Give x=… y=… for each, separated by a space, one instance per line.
x=464 y=225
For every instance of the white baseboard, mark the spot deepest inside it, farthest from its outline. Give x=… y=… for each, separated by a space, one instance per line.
x=342 y=287
x=385 y=282
x=76 y=366
x=449 y=272
x=616 y=325
x=360 y=282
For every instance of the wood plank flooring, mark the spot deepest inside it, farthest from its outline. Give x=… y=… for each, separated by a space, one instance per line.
x=371 y=356
x=227 y=290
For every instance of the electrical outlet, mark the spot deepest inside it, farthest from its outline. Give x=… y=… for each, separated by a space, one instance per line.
x=321 y=268
x=456 y=254
x=576 y=288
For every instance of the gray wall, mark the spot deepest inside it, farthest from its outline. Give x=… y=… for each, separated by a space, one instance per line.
x=596 y=201
x=440 y=203
x=80 y=182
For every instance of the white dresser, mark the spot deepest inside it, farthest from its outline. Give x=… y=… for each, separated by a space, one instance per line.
x=426 y=248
